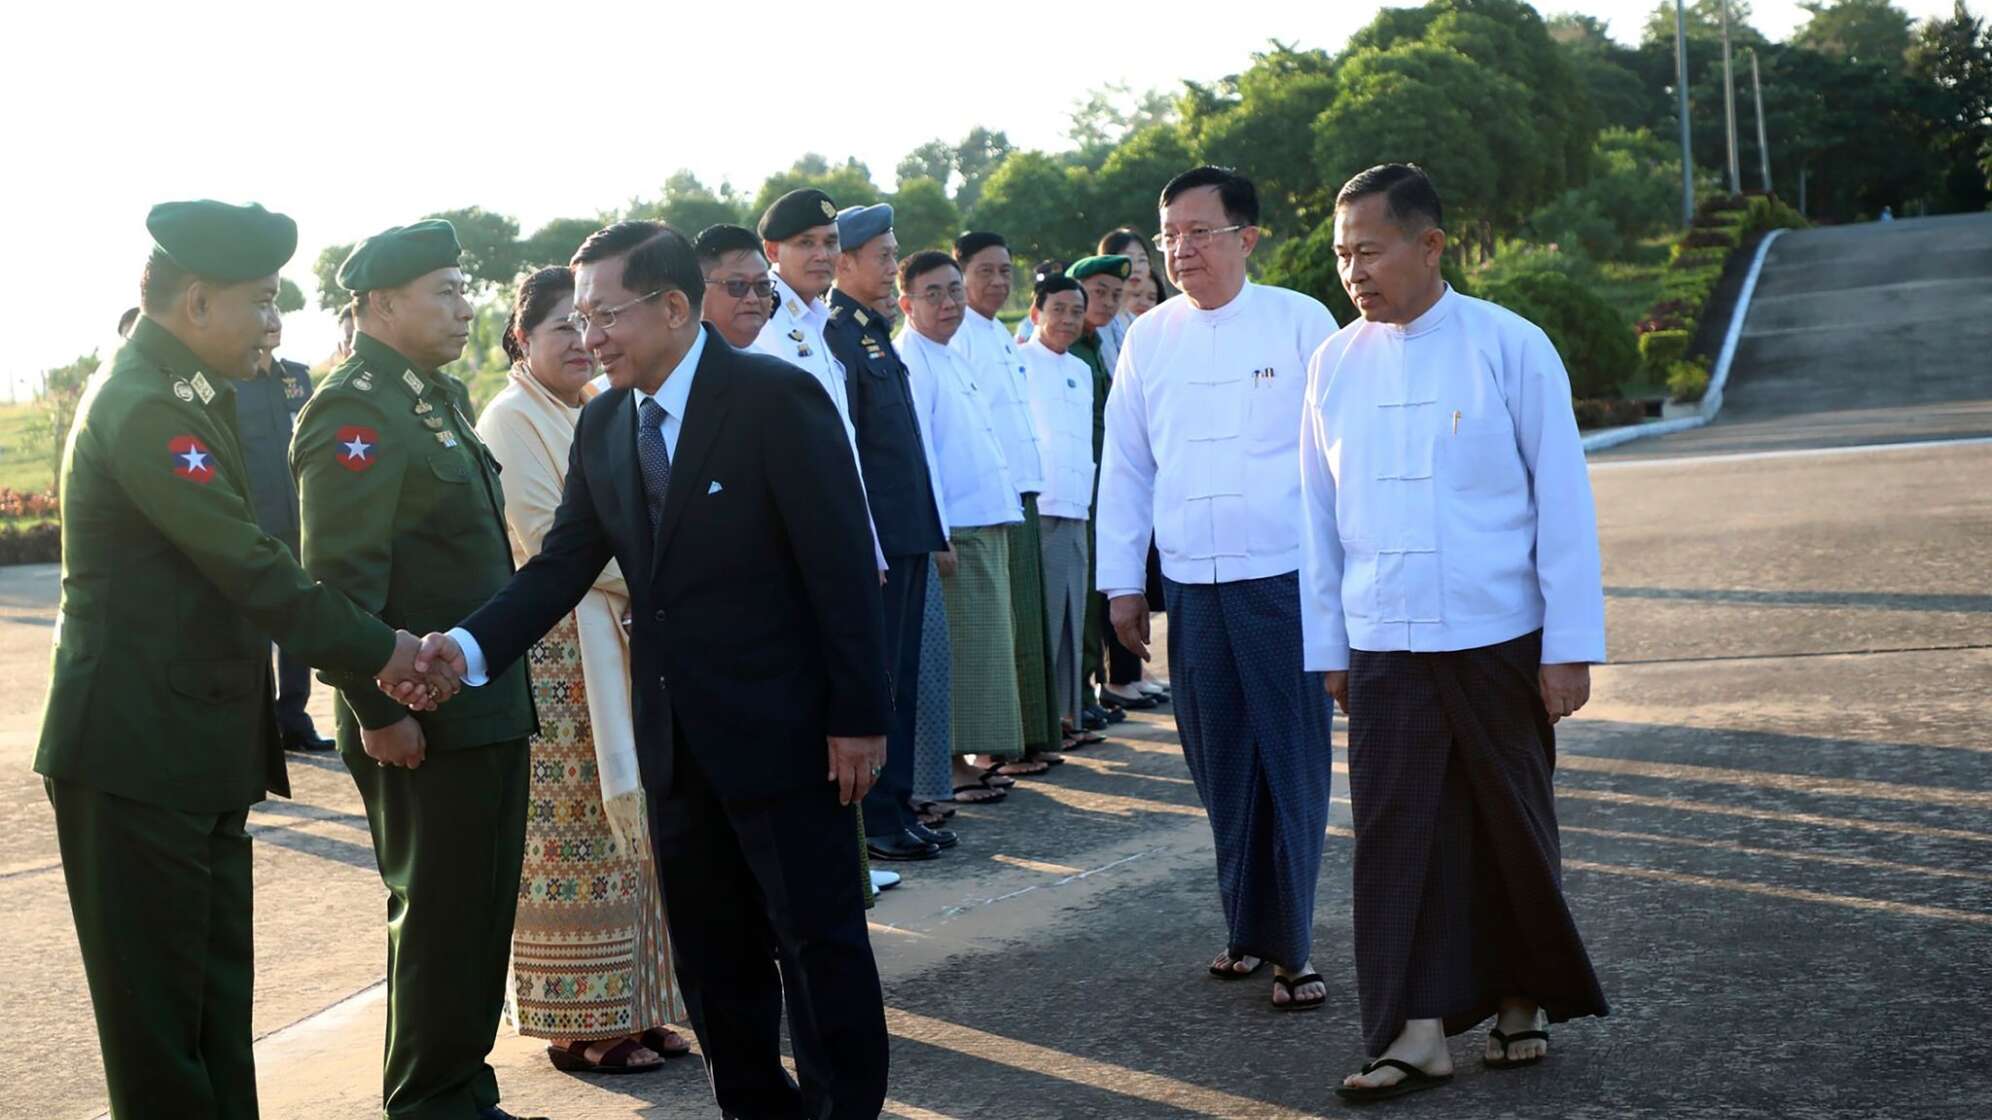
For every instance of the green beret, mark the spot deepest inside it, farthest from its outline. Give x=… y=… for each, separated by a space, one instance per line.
x=395 y=256
x=796 y=211
x=1100 y=266
x=214 y=240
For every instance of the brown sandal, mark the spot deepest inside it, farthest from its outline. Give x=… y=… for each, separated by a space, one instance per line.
x=619 y=1057
x=666 y=1042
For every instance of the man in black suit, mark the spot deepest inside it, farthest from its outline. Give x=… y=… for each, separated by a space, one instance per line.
x=722 y=483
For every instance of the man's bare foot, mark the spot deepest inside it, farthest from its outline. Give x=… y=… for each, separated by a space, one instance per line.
x=1518 y=1014
x=1228 y=967
x=1312 y=992
x=1422 y=1043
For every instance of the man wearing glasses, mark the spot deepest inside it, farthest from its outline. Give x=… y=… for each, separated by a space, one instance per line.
x=1202 y=442
x=892 y=455
x=740 y=295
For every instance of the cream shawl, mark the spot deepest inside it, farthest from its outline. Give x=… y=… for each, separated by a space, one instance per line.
x=531 y=431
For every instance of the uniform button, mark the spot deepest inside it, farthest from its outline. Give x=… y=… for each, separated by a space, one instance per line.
x=660 y=614
x=661 y=684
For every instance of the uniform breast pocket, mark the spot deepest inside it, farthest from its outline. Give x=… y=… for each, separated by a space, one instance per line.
x=1484 y=462
x=449 y=468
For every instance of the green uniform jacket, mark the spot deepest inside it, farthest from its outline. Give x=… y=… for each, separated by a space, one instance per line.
x=402 y=511
x=171 y=596
x=1087 y=349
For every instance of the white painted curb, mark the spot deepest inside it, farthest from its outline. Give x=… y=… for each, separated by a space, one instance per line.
x=1718 y=378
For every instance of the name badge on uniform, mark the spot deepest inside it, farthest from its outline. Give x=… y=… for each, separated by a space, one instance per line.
x=413 y=382
x=446 y=437
x=201 y=387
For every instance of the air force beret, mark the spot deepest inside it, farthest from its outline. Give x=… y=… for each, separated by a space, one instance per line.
x=798 y=210
x=1115 y=266
x=859 y=224
x=216 y=241
x=399 y=254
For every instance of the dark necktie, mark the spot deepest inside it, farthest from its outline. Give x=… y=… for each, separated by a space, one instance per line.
x=654 y=458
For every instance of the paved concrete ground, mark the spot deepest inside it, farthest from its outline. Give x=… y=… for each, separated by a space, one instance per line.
x=1859 y=334
x=1777 y=827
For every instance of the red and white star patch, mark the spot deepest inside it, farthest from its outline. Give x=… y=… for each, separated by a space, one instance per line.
x=191 y=459
x=354 y=447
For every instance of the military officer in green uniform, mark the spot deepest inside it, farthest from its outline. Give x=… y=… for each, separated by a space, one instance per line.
x=160 y=728
x=1104 y=278
x=402 y=511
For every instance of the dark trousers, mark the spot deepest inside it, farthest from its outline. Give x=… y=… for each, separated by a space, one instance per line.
x=889 y=805
x=161 y=900
x=449 y=837
x=765 y=909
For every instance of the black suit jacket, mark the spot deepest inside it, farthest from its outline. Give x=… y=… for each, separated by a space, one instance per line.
x=757 y=626
x=889 y=448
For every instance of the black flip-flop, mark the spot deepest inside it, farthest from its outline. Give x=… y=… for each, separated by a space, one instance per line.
x=999 y=794
x=1294 y=1002
x=1087 y=738
x=1229 y=973
x=1506 y=1040
x=1414 y=1080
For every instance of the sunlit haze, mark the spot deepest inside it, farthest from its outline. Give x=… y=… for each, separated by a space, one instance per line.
x=359 y=115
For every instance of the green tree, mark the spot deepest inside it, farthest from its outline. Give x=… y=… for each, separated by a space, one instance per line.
x=1110 y=114
x=1253 y=120
x=555 y=242
x=1128 y=187
x=1032 y=201
x=331 y=297
x=1612 y=76
x=688 y=205
x=490 y=243
x=934 y=160
x=55 y=407
x=1873 y=31
x=1703 y=24
x=1954 y=57
x=1473 y=134
x=290 y=298
x=977 y=157
x=922 y=216
x=847 y=184
x=1634 y=191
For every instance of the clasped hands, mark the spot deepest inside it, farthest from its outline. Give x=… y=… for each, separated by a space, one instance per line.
x=421 y=674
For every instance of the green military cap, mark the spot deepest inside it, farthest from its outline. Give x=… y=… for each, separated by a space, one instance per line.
x=399 y=254
x=1115 y=266
x=798 y=210
x=221 y=242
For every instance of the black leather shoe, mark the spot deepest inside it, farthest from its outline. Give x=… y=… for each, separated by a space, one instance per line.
x=306 y=742
x=496 y=1113
x=1093 y=718
x=942 y=838
x=902 y=845
x=1139 y=702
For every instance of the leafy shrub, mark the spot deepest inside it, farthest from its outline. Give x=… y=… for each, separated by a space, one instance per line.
x=1593 y=338
x=1699 y=258
x=1768 y=212
x=1722 y=203
x=1712 y=238
x=19 y=503
x=1687 y=380
x=30 y=544
x=1659 y=350
x=1577 y=221
x=1610 y=413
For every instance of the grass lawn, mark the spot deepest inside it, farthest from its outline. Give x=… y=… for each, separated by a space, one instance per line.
x=24 y=460
x=1633 y=283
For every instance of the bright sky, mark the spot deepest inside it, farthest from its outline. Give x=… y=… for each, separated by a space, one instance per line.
x=362 y=114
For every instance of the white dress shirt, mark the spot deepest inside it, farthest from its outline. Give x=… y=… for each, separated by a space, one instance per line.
x=997 y=360
x=1062 y=409
x=1203 y=423
x=794 y=333
x=671 y=397
x=976 y=490
x=1446 y=501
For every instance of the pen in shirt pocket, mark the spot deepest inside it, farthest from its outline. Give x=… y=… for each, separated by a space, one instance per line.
x=1455 y=422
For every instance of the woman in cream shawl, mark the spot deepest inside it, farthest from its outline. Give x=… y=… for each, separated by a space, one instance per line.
x=590 y=961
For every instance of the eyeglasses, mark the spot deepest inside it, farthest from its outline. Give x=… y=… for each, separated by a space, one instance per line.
x=1194 y=238
x=738 y=289
x=606 y=317
x=935 y=297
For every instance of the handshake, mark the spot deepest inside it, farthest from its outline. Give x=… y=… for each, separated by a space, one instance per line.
x=423 y=673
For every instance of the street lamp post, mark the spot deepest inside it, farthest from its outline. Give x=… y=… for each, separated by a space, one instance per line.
x=1681 y=89
x=1763 y=145
x=1729 y=104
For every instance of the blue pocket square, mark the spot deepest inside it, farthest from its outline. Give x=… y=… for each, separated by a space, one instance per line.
x=715 y=487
